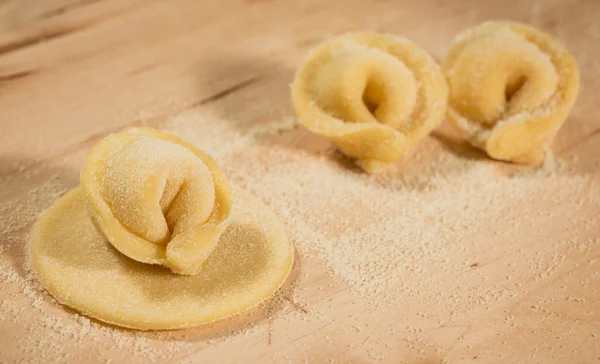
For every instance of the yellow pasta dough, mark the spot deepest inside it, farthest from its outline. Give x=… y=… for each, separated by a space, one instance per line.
x=374 y=95
x=84 y=260
x=156 y=198
x=511 y=87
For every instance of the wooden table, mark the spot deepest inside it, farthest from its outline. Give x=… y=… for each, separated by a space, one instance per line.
x=73 y=71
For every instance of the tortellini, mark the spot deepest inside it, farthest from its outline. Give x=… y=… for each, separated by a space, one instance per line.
x=150 y=240
x=374 y=95
x=156 y=198
x=511 y=87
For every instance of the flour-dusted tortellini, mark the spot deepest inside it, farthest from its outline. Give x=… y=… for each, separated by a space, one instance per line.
x=150 y=240
x=374 y=95
x=511 y=88
x=156 y=198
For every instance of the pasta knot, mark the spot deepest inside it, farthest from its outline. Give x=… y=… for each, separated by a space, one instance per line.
x=374 y=95
x=156 y=198
x=511 y=88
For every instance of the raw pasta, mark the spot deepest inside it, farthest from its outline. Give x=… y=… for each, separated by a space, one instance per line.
x=156 y=198
x=511 y=87
x=374 y=95
x=76 y=263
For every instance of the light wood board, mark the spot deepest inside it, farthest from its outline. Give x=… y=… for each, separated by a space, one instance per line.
x=73 y=71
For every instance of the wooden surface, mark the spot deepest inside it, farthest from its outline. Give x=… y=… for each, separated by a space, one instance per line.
x=73 y=71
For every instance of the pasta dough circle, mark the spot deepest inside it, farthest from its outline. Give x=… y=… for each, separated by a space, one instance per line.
x=374 y=95
x=511 y=87
x=80 y=269
x=156 y=198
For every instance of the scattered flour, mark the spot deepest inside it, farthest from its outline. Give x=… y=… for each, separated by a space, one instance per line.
x=406 y=237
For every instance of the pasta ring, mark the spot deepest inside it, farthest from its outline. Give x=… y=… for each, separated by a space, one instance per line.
x=374 y=95
x=182 y=200
x=511 y=88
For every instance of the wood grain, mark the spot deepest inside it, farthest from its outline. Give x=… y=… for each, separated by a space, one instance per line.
x=72 y=71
